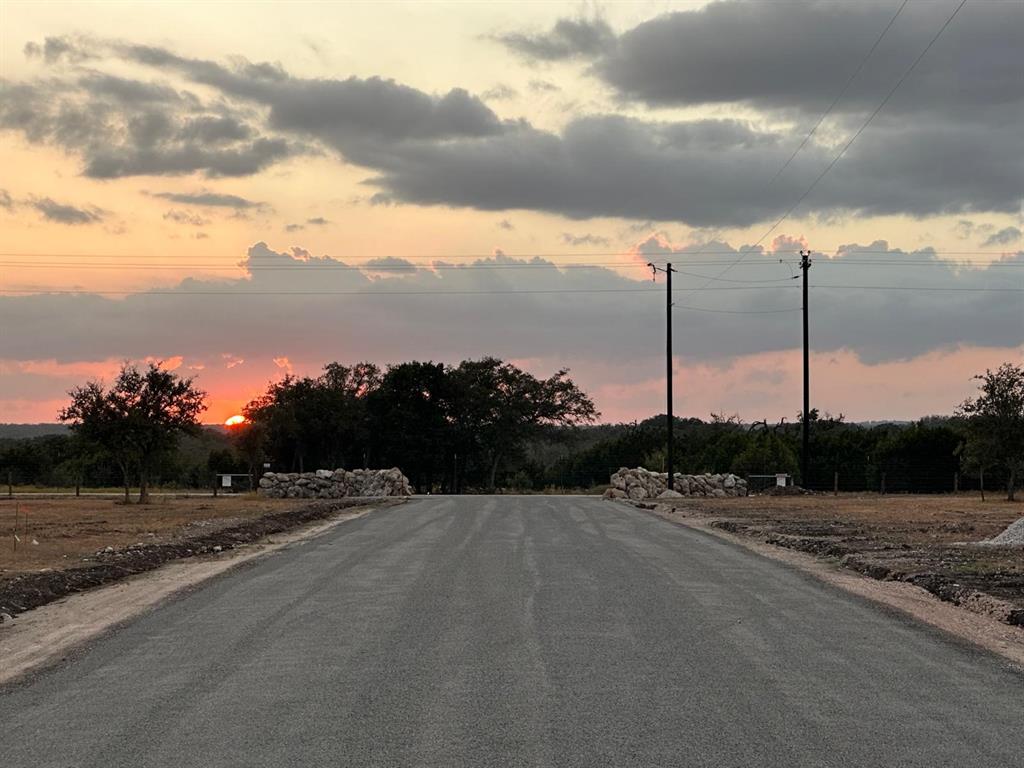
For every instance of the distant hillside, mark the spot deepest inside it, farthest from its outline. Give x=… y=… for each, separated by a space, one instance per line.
x=17 y=431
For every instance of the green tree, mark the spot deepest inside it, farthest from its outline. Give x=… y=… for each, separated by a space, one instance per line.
x=995 y=421
x=138 y=419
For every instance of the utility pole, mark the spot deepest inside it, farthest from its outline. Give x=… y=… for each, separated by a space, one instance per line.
x=805 y=434
x=667 y=269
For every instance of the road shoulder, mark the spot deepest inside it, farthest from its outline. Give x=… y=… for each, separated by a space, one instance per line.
x=47 y=635
x=974 y=628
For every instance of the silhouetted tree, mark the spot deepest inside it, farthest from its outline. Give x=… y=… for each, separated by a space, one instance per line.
x=140 y=417
x=995 y=421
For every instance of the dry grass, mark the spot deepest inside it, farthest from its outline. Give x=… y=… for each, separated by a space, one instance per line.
x=70 y=529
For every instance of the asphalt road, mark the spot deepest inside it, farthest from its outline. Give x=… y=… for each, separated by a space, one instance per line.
x=517 y=631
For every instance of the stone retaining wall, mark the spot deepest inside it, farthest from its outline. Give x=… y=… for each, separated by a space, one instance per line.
x=335 y=484
x=640 y=483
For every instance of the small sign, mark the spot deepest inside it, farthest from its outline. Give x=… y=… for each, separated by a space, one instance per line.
x=780 y=480
x=225 y=481
x=266 y=465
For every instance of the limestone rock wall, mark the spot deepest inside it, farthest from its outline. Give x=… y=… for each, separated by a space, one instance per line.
x=640 y=483
x=335 y=484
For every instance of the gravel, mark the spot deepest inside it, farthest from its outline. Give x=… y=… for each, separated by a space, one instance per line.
x=1013 y=536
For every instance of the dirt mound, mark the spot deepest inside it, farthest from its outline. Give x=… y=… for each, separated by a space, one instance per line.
x=27 y=591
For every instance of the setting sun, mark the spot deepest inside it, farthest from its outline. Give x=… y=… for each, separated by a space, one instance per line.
x=234 y=421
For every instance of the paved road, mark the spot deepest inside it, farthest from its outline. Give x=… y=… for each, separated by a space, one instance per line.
x=517 y=631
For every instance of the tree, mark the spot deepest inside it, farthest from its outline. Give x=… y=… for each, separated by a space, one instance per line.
x=995 y=421
x=503 y=406
x=137 y=420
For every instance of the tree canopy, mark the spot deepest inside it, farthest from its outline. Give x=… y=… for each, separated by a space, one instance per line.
x=138 y=418
x=440 y=424
x=995 y=422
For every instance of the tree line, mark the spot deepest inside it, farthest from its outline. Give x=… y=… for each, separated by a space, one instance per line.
x=485 y=424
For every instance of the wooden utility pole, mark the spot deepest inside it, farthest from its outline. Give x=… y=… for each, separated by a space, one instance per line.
x=667 y=269
x=805 y=433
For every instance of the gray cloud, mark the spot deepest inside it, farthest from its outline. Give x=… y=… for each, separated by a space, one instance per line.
x=543 y=86
x=586 y=239
x=317 y=221
x=708 y=172
x=208 y=199
x=126 y=128
x=391 y=265
x=255 y=312
x=797 y=55
x=1005 y=236
x=499 y=92
x=62 y=213
x=55 y=49
x=567 y=39
x=6 y=201
x=962 y=157
x=185 y=217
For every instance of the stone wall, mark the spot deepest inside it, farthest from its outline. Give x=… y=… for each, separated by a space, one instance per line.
x=639 y=483
x=335 y=484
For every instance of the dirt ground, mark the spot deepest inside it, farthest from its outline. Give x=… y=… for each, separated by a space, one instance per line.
x=68 y=531
x=930 y=541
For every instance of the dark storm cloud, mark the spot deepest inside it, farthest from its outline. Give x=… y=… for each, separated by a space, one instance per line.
x=257 y=314
x=62 y=213
x=1005 y=236
x=797 y=55
x=567 y=39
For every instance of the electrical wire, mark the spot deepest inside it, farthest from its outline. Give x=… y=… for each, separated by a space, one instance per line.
x=839 y=96
x=853 y=138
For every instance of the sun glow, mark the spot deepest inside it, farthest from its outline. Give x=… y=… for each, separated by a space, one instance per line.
x=234 y=421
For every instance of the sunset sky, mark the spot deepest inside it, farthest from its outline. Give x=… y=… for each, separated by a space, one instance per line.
x=243 y=191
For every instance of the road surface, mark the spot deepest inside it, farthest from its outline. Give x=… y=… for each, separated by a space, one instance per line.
x=517 y=631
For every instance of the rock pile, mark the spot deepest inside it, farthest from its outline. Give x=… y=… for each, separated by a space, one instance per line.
x=639 y=483
x=1013 y=536
x=335 y=484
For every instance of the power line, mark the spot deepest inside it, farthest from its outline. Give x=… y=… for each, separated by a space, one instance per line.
x=304 y=266
x=839 y=96
x=849 y=143
x=481 y=292
x=430 y=258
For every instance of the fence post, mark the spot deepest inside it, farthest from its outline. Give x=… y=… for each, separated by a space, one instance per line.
x=835 y=484
x=214 y=486
x=956 y=482
x=10 y=484
x=883 y=483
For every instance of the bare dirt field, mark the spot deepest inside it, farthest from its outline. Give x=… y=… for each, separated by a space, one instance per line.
x=930 y=541
x=69 y=530
x=61 y=546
